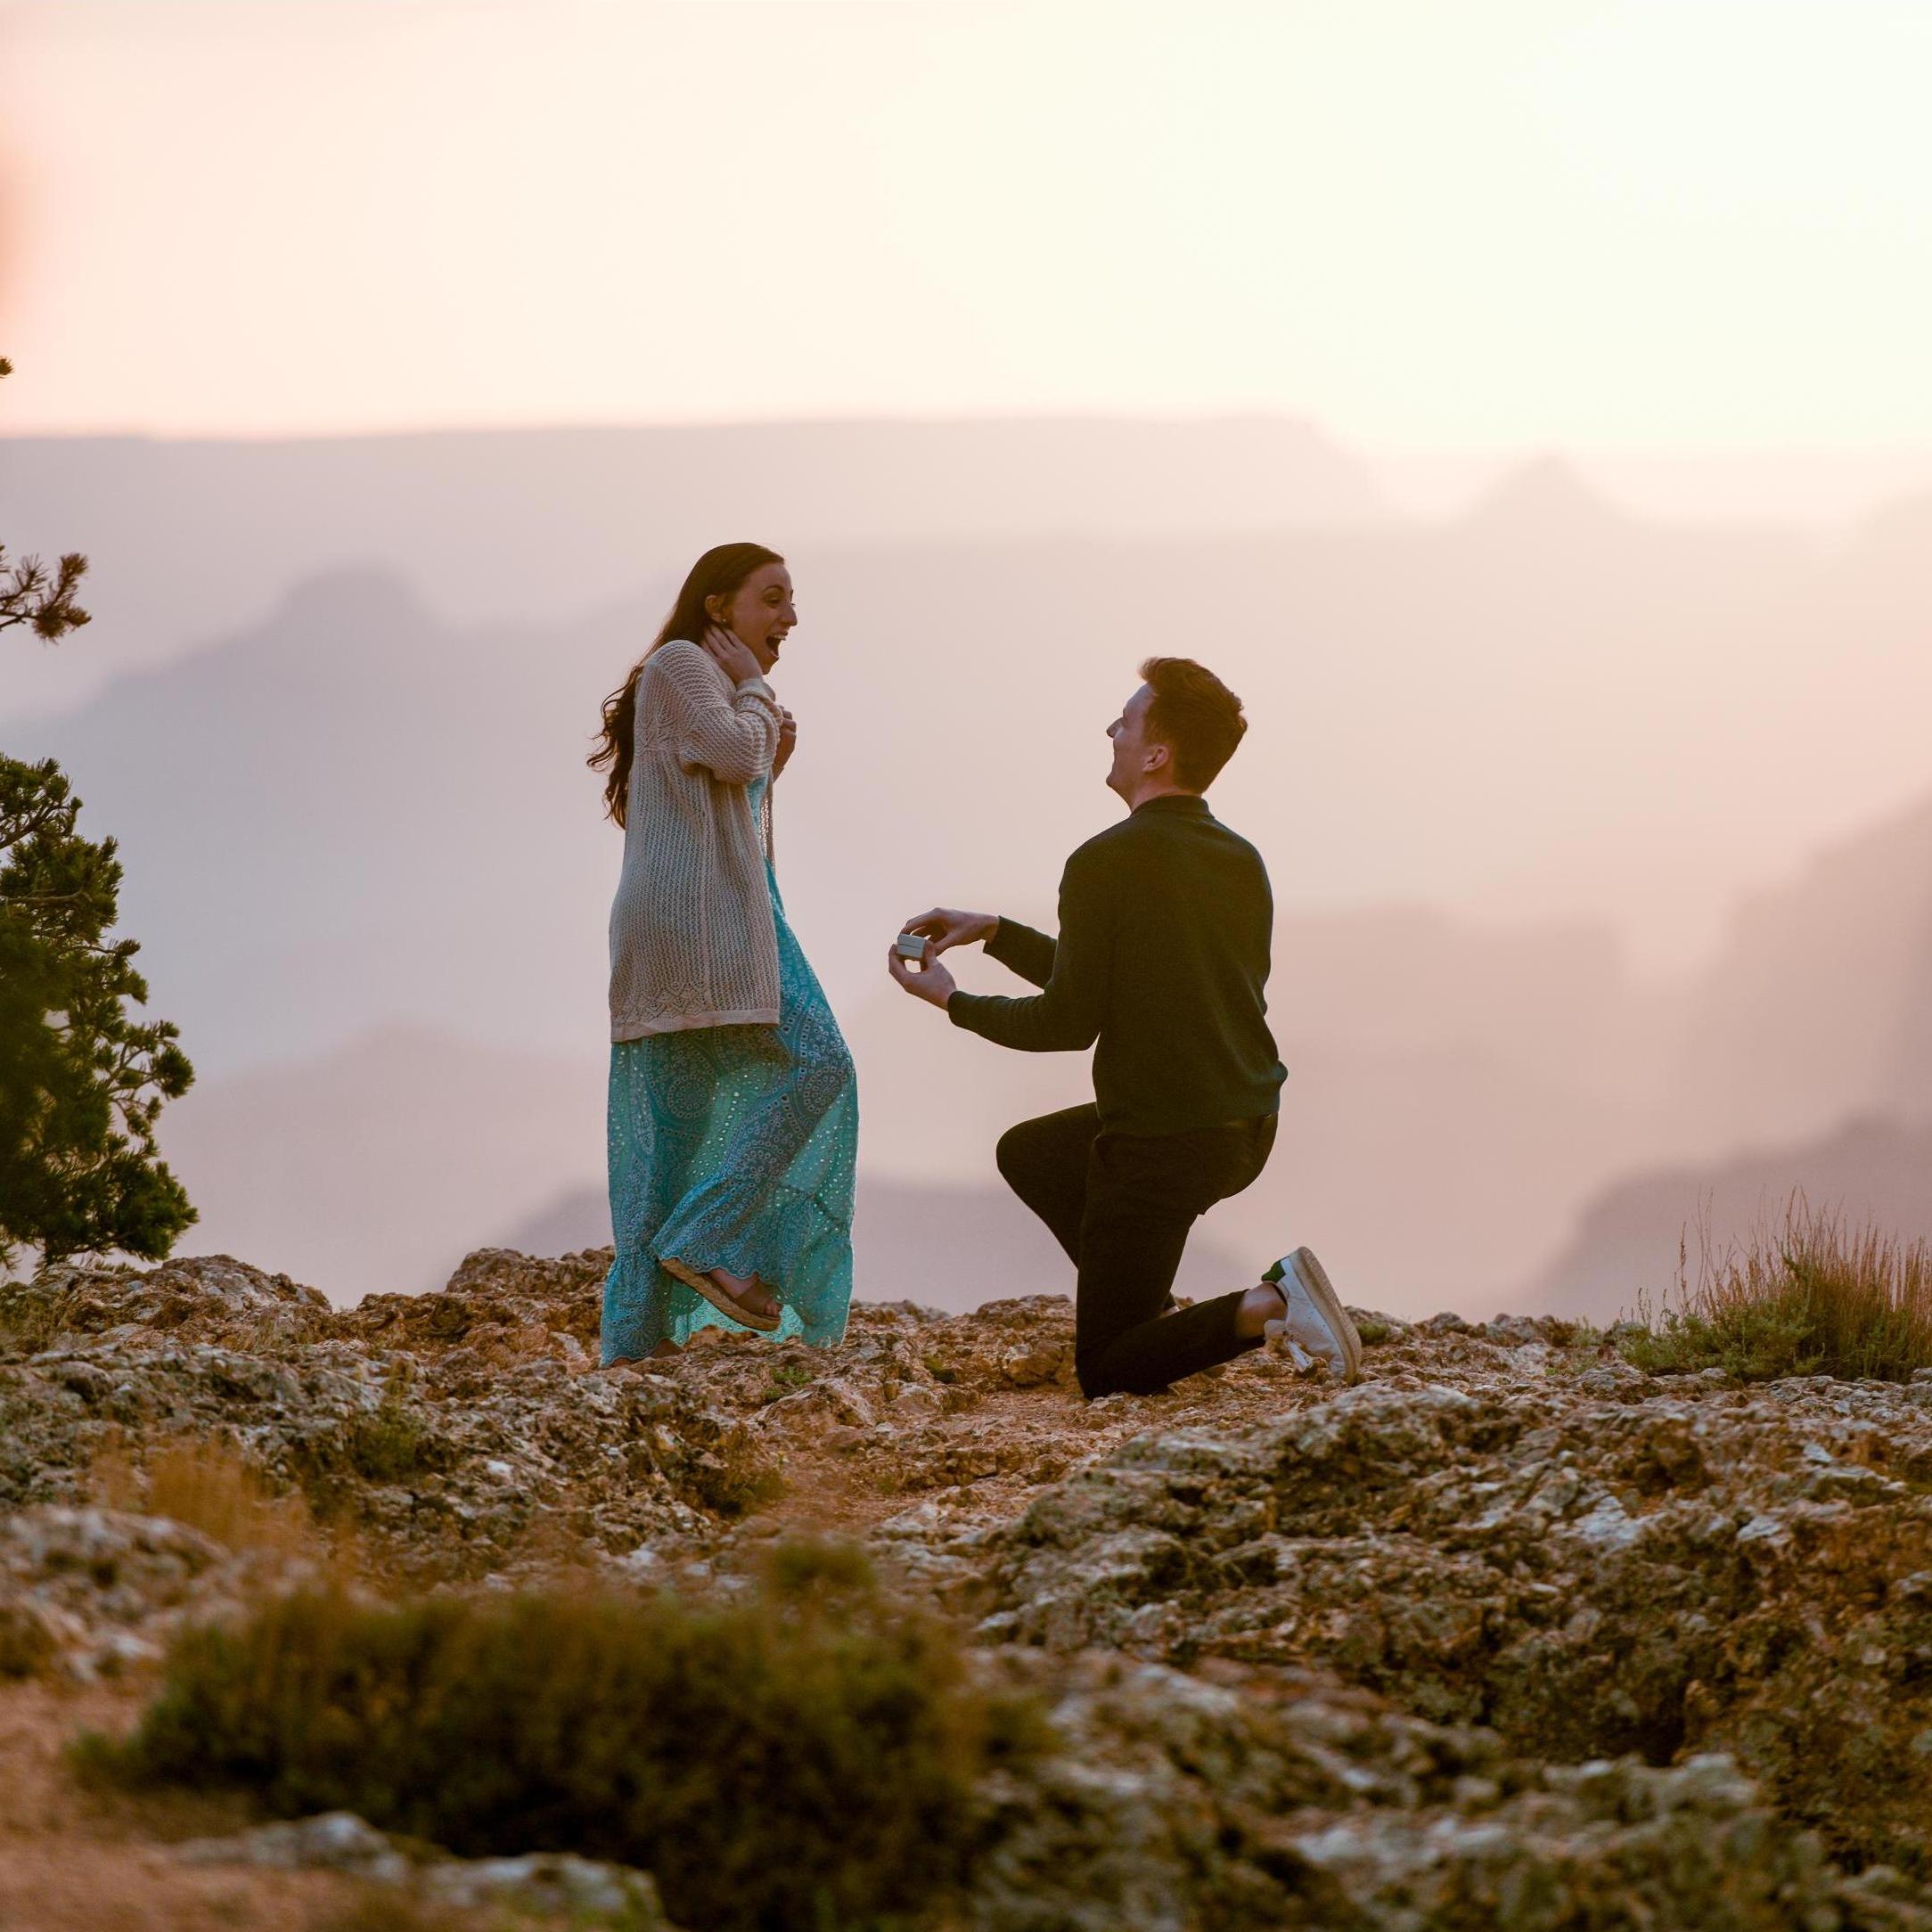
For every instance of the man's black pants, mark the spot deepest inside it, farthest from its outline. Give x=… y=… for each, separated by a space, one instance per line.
x=1121 y=1204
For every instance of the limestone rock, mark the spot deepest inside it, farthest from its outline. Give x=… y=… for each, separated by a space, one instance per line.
x=1511 y=1634
x=1745 y=1574
x=88 y=1593
x=210 y=1298
x=1258 y=1799
x=583 y=1891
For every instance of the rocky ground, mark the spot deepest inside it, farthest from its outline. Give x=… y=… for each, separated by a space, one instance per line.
x=1511 y=1634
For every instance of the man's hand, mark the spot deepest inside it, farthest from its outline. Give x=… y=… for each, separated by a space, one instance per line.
x=738 y=661
x=930 y=982
x=787 y=738
x=947 y=929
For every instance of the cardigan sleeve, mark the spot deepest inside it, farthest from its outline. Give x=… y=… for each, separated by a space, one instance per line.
x=732 y=734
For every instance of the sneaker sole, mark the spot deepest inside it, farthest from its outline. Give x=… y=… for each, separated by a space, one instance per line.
x=1321 y=1293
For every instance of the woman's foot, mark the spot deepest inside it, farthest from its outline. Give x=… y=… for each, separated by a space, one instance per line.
x=742 y=1296
x=749 y=1292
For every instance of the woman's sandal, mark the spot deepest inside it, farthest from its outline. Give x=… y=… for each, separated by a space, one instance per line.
x=719 y=1298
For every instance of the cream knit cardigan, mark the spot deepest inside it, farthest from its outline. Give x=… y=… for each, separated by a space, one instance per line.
x=692 y=940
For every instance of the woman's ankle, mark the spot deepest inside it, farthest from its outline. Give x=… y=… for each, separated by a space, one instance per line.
x=749 y=1292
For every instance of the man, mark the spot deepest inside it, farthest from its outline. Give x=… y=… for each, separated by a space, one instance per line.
x=1162 y=956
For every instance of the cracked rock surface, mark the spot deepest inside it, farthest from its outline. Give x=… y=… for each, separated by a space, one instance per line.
x=1511 y=1634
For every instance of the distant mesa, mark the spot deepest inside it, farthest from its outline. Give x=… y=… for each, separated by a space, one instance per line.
x=1550 y=496
x=1871 y=1170
x=515 y=524
x=1819 y=1007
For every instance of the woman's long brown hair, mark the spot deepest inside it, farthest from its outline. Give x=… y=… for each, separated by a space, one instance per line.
x=718 y=573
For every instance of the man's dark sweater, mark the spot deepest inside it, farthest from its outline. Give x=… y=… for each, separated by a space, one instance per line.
x=1162 y=956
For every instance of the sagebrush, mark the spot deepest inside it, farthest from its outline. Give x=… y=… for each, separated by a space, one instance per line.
x=795 y=1757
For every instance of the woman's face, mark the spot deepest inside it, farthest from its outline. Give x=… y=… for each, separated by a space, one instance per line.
x=760 y=612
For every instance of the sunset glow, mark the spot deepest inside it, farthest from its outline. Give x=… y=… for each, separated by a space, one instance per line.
x=1627 y=226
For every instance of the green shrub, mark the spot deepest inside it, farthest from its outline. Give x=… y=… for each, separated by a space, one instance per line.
x=1811 y=1298
x=787 y=1377
x=795 y=1757
x=391 y=1444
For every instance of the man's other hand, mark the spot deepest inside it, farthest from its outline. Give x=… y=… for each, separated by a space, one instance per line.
x=930 y=982
x=947 y=929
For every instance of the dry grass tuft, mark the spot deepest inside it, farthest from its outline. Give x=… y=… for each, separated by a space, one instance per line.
x=208 y=1485
x=1812 y=1297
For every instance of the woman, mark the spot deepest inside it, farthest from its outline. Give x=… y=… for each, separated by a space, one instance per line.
x=733 y=1113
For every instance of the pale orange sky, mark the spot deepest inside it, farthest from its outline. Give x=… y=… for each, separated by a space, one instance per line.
x=1661 y=224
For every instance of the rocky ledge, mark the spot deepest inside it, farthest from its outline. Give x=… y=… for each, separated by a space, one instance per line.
x=1509 y=1634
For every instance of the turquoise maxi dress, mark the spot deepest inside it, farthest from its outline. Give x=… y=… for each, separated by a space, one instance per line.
x=734 y=1147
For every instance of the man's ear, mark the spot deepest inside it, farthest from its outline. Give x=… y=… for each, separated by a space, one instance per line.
x=1158 y=756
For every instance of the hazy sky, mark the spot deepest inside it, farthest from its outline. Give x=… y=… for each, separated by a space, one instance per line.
x=1692 y=224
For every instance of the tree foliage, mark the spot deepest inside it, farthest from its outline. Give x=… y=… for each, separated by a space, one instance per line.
x=33 y=595
x=81 y=1079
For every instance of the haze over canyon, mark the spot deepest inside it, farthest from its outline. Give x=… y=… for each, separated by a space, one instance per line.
x=1603 y=845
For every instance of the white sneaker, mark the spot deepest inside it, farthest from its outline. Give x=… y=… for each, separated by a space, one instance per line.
x=1315 y=1322
x=1276 y=1340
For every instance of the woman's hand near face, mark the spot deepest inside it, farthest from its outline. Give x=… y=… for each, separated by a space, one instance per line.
x=738 y=660
x=787 y=737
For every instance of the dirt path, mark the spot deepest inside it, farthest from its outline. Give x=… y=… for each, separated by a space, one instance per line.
x=72 y=1863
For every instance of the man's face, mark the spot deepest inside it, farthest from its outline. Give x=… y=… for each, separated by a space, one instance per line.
x=1133 y=749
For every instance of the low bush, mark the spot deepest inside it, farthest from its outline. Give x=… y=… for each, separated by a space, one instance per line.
x=391 y=1443
x=790 y=1758
x=1812 y=1297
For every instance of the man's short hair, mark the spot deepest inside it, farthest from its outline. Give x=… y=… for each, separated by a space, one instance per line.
x=1195 y=716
